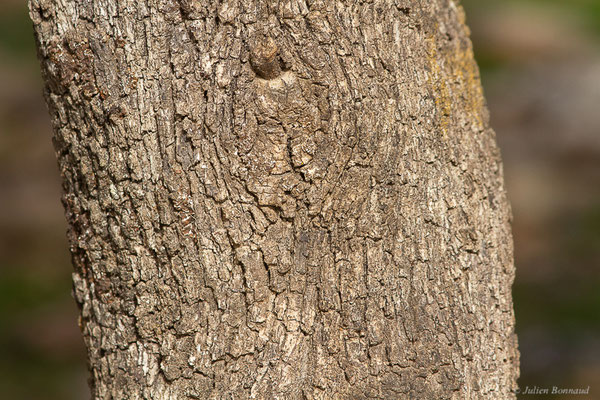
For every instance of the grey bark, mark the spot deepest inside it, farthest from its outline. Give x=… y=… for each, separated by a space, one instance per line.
x=280 y=200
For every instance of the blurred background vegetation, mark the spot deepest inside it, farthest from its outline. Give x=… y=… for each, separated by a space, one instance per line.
x=540 y=67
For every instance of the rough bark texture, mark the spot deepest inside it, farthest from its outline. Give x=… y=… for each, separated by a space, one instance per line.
x=280 y=199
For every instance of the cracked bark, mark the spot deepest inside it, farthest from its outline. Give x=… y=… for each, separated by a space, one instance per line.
x=280 y=200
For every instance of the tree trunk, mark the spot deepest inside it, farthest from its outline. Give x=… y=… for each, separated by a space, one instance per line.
x=280 y=200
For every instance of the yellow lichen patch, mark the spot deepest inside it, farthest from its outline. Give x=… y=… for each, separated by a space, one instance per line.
x=437 y=81
x=456 y=80
x=465 y=74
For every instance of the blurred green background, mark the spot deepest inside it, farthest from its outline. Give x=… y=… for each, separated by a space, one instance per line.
x=540 y=67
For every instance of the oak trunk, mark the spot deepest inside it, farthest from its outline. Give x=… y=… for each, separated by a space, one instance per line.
x=280 y=199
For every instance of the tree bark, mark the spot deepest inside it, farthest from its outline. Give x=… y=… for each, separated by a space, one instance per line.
x=299 y=199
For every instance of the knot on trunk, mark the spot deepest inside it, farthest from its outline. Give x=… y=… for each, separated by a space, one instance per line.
x=264 y=57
